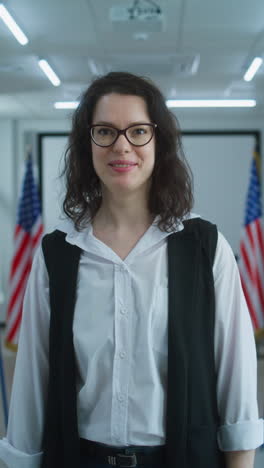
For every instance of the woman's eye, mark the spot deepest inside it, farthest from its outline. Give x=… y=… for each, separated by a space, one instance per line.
x=105 y=131
x=139 y=131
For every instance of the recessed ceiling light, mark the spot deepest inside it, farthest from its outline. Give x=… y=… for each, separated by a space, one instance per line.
x=253 y=68
x=211 y=103
x=44 y=65
x=12 y=25
x=66 y=105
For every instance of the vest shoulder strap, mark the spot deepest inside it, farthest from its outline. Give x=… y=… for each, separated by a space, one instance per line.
x=62 y=261
x=54 y=246
x=206 y=232
x=190 y=333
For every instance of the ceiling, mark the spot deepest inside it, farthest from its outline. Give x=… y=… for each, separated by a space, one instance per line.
x=192 y=49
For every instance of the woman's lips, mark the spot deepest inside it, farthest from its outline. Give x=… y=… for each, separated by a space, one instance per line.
x=123 y=169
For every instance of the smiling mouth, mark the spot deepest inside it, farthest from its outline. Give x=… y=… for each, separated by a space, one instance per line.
x=123 y=167
x=122 y=164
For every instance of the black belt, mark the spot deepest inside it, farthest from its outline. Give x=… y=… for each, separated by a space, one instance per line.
x=125 y=456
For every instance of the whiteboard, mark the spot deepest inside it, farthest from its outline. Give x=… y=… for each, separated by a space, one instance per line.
x=51 y=158
x=220 y=164
x=221 y=168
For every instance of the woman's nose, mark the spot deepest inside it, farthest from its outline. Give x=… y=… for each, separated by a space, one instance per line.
x=122 y=144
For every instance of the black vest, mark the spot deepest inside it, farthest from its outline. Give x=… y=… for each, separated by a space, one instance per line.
x=192 y=418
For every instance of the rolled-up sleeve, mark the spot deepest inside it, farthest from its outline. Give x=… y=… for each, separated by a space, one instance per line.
x=22 y=445
x=235 y=358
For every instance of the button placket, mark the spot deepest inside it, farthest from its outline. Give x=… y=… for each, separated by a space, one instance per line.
x=121 y=367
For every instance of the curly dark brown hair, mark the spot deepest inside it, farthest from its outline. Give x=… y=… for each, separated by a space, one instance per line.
x=171 y=194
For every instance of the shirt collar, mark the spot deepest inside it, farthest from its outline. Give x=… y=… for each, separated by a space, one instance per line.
x=85 y=239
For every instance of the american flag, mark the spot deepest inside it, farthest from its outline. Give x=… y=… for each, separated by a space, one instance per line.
x=251 y=262
x=28 y=233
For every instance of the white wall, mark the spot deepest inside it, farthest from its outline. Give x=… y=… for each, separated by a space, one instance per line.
x=7 y=203
x=12 y=153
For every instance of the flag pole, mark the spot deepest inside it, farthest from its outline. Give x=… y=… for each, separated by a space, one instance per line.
x=3 y=388
x=28 y=152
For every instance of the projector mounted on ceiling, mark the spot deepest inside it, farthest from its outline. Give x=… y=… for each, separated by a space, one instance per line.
x=141 y=13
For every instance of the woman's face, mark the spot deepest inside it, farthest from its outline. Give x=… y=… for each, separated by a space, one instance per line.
x=121 y=111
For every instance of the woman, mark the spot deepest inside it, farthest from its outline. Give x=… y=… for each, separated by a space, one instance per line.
x=136 y=345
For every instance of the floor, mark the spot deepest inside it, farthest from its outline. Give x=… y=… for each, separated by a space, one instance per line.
x=9 y=362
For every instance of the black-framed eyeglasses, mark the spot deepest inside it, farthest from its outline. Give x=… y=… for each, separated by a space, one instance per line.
x=137 y=134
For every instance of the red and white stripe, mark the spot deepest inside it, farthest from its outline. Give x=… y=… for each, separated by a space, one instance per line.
x=251 y=267
x=25 y=246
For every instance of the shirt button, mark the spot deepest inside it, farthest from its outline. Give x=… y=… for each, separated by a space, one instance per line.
x=123 y=311
x=120 y=397
x=122 y=354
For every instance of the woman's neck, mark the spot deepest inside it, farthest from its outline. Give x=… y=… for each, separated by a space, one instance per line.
x=122 y=215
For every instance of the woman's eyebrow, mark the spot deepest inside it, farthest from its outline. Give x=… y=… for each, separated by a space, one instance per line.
x=102 y=122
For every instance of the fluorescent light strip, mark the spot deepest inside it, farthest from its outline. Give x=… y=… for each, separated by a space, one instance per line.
x=49 y=72
x=253 y=68
x=12 y=25
x=66 y=105
x=181 y=103
x=211 y=103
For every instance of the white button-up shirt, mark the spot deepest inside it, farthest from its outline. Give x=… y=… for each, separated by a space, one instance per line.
x=120 y=340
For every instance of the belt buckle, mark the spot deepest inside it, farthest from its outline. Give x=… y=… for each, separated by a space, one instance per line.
x=128 y=461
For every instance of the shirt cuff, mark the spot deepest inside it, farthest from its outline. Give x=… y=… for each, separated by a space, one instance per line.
x=14 y=458
x=245 y=435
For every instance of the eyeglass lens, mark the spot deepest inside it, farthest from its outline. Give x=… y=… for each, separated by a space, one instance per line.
x=137 y=134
